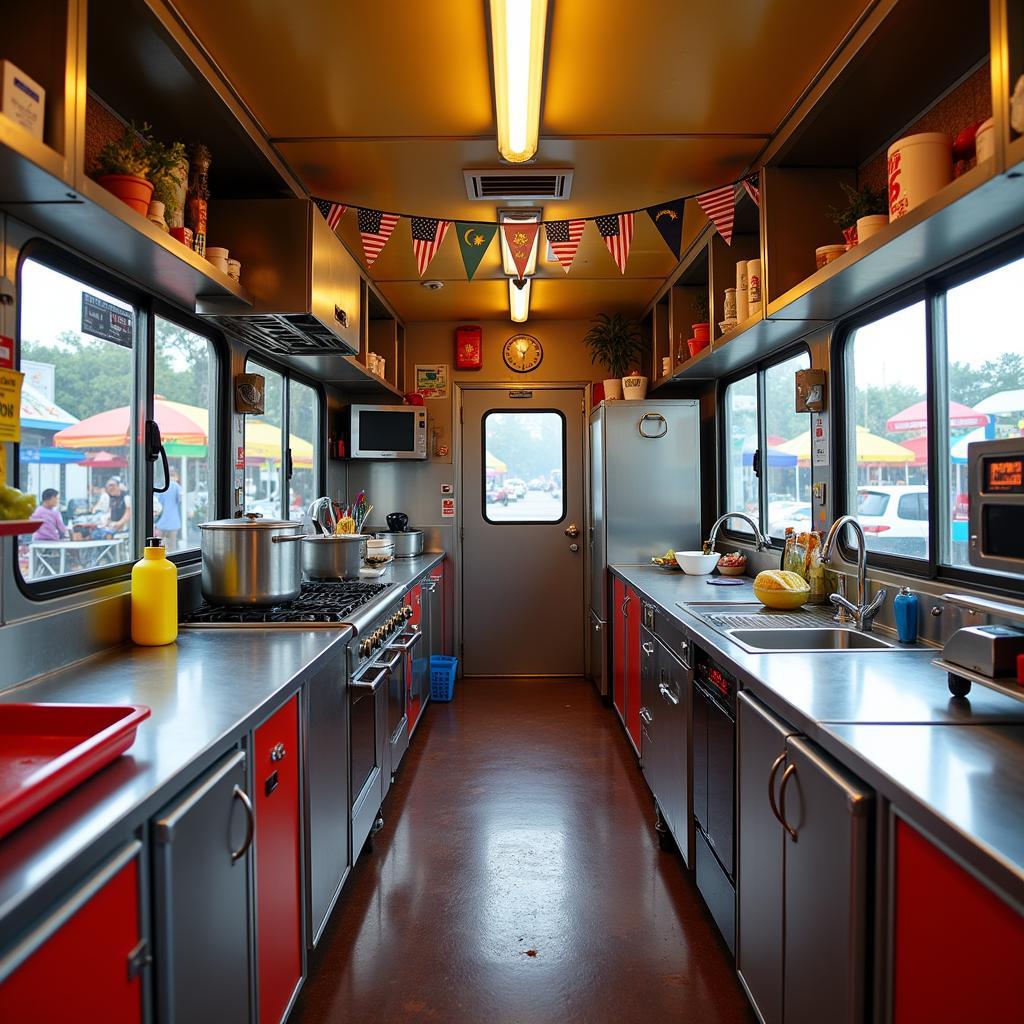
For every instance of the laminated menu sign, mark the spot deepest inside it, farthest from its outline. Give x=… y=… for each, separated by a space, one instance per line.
x=10 y=405
x=103 y=319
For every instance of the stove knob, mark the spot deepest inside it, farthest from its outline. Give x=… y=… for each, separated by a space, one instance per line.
x=375 y=639
x=407 y=612
x=364 y=648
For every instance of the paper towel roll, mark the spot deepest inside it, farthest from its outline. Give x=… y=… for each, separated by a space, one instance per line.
x=742 y=302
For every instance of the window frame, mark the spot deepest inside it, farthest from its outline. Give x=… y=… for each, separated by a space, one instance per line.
x=756 y=369
x=483 y=468
x=287 y=374
x=147 y=308
x=933 y=291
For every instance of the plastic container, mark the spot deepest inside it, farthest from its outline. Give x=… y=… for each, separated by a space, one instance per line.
x=154 y=597
x=825 y=254
x=985 y=141
x=904 y=608
x=870 y=225
x=919 y=166
x=442 y=677
x=218 y=257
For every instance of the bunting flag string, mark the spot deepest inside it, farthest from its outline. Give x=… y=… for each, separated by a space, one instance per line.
x=564 y=238
x=427 y=235
x=617 y=232
x=520 y=237
x=375 y=229
x=331 y=212
x=720 y=206
x=668 y=219
x=474 y=240
x=752 y=189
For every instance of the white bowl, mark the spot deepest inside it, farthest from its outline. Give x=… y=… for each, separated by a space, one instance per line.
x=696 y=563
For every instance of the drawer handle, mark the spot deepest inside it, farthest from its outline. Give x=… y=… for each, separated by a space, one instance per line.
x=647 y=648
x=250 y=824
x=667 y=694
x=773 y=771
x=277 y=752
x=786 y=776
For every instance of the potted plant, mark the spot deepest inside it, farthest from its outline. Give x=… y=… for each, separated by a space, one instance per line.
x=168 y=171
x=122 y=165
x=865 y=207
x=614 y=341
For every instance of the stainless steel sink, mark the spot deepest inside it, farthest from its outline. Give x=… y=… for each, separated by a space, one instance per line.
x=816 y=639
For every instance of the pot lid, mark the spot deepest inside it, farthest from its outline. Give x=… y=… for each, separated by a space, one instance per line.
x=250 y=521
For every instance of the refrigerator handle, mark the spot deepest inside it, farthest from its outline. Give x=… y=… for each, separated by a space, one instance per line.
x=658 y=418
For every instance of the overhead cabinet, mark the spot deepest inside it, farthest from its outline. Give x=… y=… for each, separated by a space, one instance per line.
x=802 y=879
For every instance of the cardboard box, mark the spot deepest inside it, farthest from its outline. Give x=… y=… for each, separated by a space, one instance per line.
x=22 y=99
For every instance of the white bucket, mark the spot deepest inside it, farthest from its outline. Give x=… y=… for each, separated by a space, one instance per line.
x=753 y=287
x=613 y=388
x=634 y=387
x=870 y=225
x=919 y=166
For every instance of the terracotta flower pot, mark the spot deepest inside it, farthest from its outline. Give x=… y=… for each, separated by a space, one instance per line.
x=695 y=345
x=134 y=191
x=702 y=332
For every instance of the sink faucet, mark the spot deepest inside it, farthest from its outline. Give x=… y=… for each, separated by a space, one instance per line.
x=863 y=612
x=761 y=542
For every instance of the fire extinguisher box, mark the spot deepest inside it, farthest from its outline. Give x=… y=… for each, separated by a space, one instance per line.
x=468 y=348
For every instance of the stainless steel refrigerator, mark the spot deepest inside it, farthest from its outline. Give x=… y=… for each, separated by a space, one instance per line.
x=644 y=499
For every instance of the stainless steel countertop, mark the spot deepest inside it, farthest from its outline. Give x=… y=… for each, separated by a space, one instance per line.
x=887 y=716
x=206 y=691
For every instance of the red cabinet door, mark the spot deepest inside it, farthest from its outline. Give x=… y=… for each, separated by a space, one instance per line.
x=277 y=846
x=618 y=624
x=633 y=660
x=957 y=946
x=80 y=969
x=413 y=698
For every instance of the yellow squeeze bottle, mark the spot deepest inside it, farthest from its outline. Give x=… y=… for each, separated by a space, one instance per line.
x=154 y=597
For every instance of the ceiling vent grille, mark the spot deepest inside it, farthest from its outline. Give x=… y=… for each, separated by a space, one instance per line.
x=513 y=183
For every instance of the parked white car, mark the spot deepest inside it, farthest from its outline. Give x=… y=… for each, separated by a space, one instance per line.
x=517 y=486
x=895 y=518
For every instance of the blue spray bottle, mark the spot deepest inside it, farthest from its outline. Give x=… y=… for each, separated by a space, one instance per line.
x=905 y=609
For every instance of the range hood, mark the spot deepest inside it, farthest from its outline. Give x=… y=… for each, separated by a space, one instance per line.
x=305 y=284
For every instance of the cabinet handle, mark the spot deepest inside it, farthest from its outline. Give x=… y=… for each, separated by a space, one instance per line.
x=277 y=752
x=250 y=824
x=625 y=604
x=646 y=715
x=667 y=694
x=776 y=765
x=647 y=648
x=786 y=776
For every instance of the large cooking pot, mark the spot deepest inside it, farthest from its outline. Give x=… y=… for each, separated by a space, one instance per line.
x=245 y=561
x=408 y=543
x=333 y=558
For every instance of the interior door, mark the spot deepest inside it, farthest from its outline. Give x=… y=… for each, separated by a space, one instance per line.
x=523 y=544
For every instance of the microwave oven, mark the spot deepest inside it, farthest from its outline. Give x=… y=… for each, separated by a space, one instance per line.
x=995 y=474
x=385 y=432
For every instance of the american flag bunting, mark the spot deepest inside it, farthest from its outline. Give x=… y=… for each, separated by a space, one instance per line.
x=564 y=238
x=617 y=232
x=750 y=185
x=720 y=206
x=375 y=229
x=427 y=235
x=331 y=212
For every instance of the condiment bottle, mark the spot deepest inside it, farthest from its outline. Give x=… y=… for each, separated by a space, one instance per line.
x=154 y=597
x=904 y=608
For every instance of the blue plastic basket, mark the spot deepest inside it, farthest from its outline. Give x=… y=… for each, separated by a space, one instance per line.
x=442 y=677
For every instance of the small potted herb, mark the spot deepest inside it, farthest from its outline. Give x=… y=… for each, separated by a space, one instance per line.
x=615 y=342
x=168 y=171
x=122 y=166
x=866 y=208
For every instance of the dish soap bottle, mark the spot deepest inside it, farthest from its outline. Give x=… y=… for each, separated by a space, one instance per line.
x=904 y=607
x=154 y=597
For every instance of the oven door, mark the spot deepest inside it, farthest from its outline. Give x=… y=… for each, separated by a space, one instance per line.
x=367 y=750
x=398 y=719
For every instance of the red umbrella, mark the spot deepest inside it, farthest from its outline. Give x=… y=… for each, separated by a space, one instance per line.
x=110 y=428
x=104 y=460
x=919 y=446
x=915 y=417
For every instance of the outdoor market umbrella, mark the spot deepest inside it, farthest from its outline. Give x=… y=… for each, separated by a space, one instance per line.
x=493 y=462
x=777 y=457
x=111 y=429
x=263 y=444
x=871 y=449
x=915 y=417
x=1003 y=403
x=39 y=413
x=104 y=460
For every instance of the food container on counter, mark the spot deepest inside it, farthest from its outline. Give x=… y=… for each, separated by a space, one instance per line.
x=408 y=543
x=870 y=225
x=825 y=254
x=337 y=557
x=247 y=562
x=919 y=166
x=696 y=563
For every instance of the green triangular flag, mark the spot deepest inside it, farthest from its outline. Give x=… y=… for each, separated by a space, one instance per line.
x=473 y=241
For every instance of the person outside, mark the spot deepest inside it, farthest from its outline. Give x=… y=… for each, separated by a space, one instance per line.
x=48 y=514
x=118 y=511
x=168 y=525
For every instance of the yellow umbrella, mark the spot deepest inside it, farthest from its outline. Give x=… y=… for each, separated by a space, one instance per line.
x=870 y=448
x=494 y=463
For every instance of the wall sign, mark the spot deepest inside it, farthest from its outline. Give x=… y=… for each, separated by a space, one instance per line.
x=6 y=352
x=10 y=405
x=819 y=441
x=432 y=380
x=103 y=319
x=447 y=508
x=447 y=488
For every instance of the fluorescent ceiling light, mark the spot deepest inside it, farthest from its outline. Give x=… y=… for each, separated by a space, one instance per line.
x=522 y=217
x=519 y=301
x=517 y=46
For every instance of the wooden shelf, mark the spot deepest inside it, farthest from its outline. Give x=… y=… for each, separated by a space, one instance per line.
x=1015 y=156
x=30 y=171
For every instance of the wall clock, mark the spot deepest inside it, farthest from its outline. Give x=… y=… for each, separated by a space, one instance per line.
x=522 y=353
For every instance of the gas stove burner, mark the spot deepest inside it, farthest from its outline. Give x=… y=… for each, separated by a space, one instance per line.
x=317 y=603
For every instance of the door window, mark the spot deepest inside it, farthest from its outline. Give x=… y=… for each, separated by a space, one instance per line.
x=741 y=491
x=523 y=466
x=304 y=443
x=264 y=450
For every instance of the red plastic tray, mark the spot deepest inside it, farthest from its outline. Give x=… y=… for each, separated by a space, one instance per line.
x=48 y=749
x=13 y=527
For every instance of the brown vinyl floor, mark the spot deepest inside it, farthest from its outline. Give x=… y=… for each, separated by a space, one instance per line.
x=518 y=880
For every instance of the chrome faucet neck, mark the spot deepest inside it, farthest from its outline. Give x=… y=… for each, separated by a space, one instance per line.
x=761 y=542
x=863 y=611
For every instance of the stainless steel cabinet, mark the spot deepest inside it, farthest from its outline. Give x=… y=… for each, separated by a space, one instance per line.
x=673 y=691
x=803 y=891
x=648 y=707
x=326 y=792
x=201 y=912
